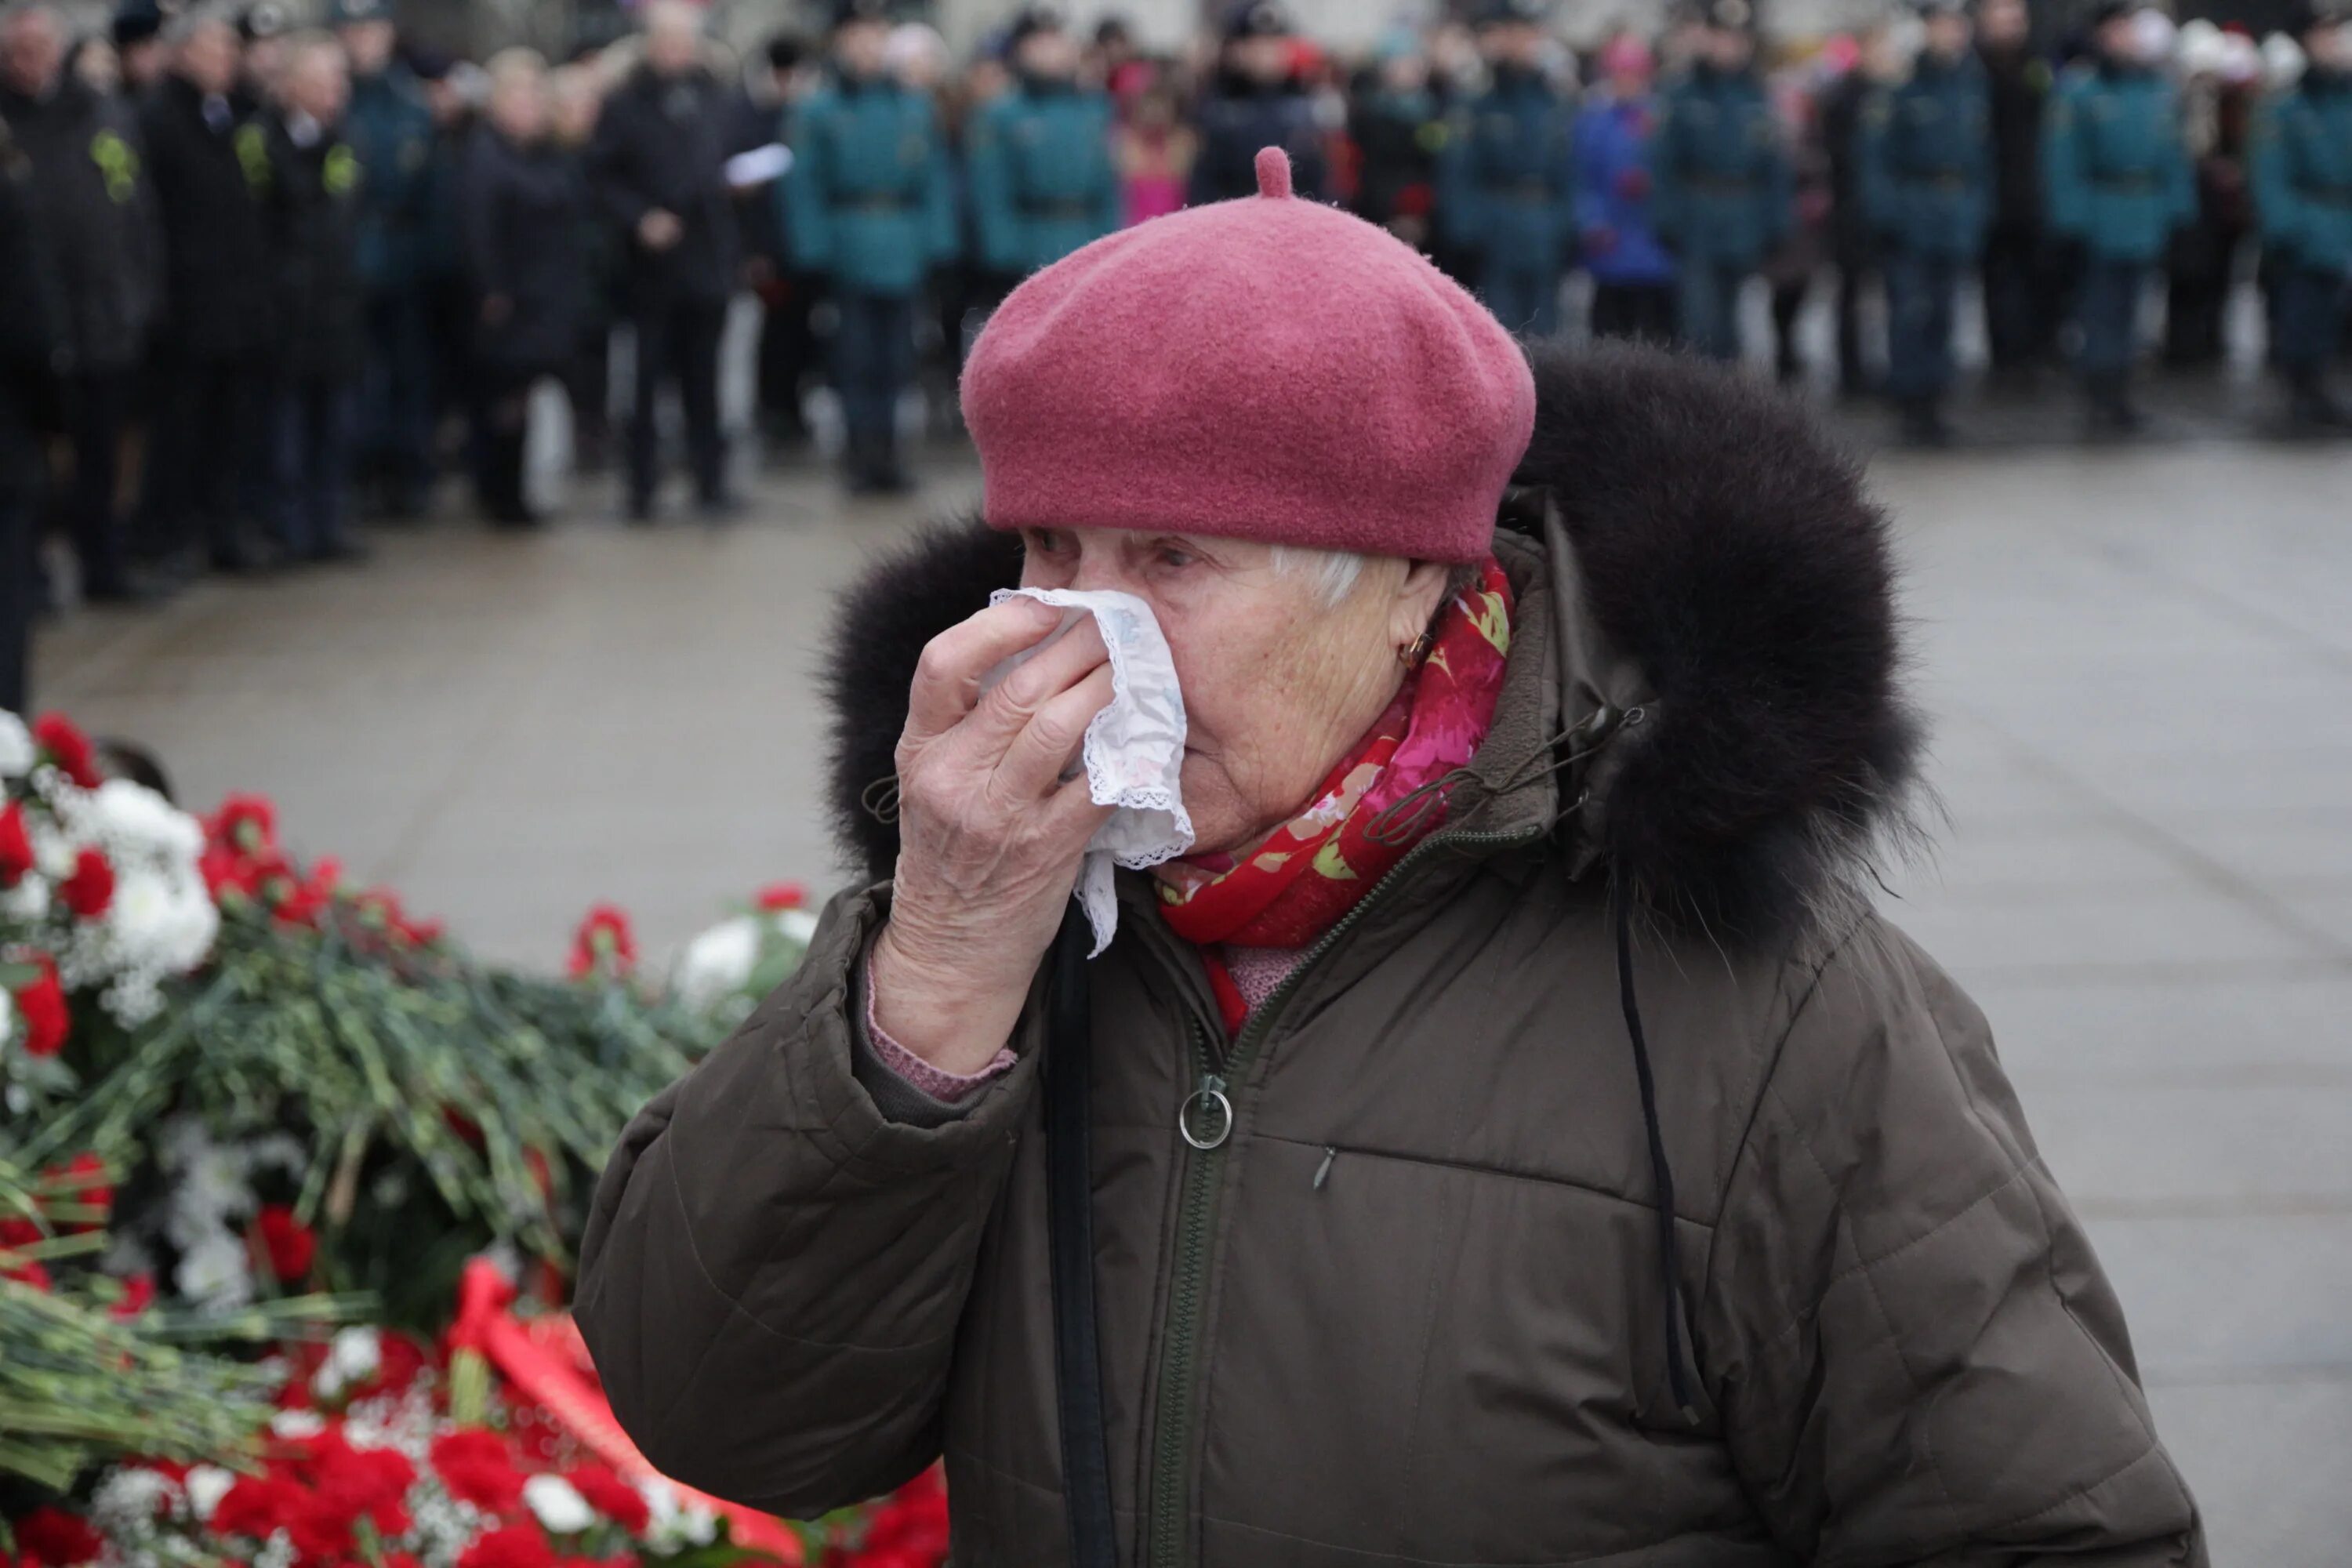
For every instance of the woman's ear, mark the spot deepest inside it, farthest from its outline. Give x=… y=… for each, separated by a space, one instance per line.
x=1418 y=593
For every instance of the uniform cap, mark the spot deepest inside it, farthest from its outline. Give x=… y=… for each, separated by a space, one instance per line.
x=136 y=21
x=344 y=11
x=844 y=12
x=1034 y=19
x=1266 y=368
x=1514 y=13
x=1259 y=20
x=264 y=19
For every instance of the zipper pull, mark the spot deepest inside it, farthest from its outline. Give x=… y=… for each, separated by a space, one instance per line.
x=1323 y=1171
x=1206 y=1117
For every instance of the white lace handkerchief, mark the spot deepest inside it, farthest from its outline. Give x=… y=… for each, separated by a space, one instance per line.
x=1134 y=750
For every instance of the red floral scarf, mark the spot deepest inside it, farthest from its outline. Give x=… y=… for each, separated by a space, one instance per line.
x=1295 y=884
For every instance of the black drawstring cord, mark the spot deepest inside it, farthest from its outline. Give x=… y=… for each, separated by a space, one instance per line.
x=1662 y=1174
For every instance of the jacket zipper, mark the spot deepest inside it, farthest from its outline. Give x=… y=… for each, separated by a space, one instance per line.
x=1205 y=1122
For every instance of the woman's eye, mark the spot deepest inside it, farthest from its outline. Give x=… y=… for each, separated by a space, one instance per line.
x=1171 y=556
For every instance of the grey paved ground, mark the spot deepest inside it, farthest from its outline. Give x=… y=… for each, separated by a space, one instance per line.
x=2141 y=667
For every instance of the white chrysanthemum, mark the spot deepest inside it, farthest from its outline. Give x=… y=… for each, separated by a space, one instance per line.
x=277 y=1552
x=17 y=748
x=206 y=1485
x=280 y=1152
x=211 y=1187
x=352 y=1356
x=797 y=925
x=134 y=818
x=27 y=902
x=673 y=1524
x=160 y=921
x=718 y=964
x=127 y=1501
x=213 y=1273
x=294 y=1425
x=558 y=1505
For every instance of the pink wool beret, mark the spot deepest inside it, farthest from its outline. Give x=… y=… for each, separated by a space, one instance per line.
x=1267 y=368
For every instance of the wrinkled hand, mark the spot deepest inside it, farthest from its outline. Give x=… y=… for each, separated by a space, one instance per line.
x=990 y=831
x=659 y=230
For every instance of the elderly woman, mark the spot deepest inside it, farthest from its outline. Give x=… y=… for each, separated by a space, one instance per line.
x=1509 y=1136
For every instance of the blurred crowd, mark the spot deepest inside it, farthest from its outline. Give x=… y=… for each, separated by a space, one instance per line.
x=258 y=278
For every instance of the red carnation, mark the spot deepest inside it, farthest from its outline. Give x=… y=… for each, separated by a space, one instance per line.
x=610 y=1496
x=257 y=1506
x=290 y=1245
x=603 y=943
x=15 y=846
x=81 y=1183
x=777 y=896
x=476 y=1468
x=52 y=1536
x=245 y=824
x=514 y=1546
x=91 y=888
x=68 y=748
x=42 y=1004
x=138 y=1295
x=32 y=1272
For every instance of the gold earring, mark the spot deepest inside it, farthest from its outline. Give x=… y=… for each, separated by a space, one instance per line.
x=1414 y=652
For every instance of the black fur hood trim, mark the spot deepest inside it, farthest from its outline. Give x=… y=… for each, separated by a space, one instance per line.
x=1730 y=575
x=1726 y=551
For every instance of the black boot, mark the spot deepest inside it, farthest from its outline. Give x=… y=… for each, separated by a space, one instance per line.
x=890 y=475
x=1924 y=424
x=2112 y=413
x=2311 y=411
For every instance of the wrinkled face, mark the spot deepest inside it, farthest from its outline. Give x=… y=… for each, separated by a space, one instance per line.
x=32 y=51
x=369 y=44
x=208 y=57
x=1278 y=682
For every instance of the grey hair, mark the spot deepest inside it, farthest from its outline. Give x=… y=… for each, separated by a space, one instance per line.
x=1334 y=573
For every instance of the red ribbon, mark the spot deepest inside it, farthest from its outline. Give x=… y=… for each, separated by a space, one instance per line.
x=544 y=1359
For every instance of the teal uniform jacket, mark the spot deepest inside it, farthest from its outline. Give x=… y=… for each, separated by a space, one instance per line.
x=867 y=201
x=2302 y=157
x=390 y=131
x=1038 y=162
x=1507 y=180
x=1925 y=164
x=1724 y=187
x=2116 y=172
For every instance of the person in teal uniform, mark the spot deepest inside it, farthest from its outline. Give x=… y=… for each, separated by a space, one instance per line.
x=1927 y=190
x=2302 y=161
x=1507 y=185
x=2116 y=175
x=1038 y=159
x=390 y=131
x=868 y=205
x=1724 y=186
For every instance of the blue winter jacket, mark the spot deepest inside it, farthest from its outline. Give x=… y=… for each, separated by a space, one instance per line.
x=1616 y=216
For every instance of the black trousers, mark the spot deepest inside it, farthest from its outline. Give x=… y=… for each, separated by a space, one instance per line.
x=196 y=451
x=17 y=586
x=503 y=413
x=1643 y=311
x=678 y=342
x=97 y=410
x=2022 y=295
